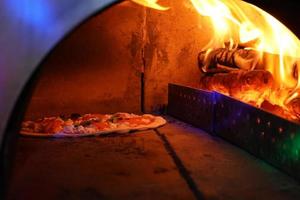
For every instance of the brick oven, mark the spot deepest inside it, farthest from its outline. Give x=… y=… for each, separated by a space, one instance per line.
x=105 y=56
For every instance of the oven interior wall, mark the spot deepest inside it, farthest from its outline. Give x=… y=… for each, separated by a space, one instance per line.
x=95 y=69
x=174 y=39
x=98 y=67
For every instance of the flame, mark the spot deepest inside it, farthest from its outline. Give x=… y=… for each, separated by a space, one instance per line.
x=151 y=4
x=236 y=23
x=241 y=22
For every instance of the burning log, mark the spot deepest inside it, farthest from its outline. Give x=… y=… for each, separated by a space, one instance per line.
x=254 y=87
x=242 y=73
x=291 y=111
x=226 y=60
x=223 y=60
x=249 y=86
x=277 y=110
x=294 y=107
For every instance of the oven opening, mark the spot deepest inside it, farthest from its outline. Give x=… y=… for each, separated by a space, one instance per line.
x=224 y=76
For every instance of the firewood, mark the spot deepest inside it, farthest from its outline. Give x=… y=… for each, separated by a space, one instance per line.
x=243 y=85
x=294 y=107
x=222 y=60
x=240 y=58
x=276 y=110
x=241 y=73
x=253 y=87
x=291 y=111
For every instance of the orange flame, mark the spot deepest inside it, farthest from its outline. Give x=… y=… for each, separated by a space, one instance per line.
x=151 y=4
x=242 y=23
x=280 y=48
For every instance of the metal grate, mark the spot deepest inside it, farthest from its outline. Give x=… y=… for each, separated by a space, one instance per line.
x=263 y=134
x=191 y=105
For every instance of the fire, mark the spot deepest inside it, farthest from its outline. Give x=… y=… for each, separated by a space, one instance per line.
x=236 y=23
x=269 y=34
x=244 y=23
x=151 y=4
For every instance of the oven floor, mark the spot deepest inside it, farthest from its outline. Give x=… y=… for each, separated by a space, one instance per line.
x=176 y=161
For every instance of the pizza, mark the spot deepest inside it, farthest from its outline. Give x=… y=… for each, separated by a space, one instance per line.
x=77 y=125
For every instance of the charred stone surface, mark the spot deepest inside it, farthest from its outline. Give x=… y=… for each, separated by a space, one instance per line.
x=133 y=166
x=178 y=162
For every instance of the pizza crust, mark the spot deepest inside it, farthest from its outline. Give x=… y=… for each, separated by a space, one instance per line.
x=159 y=121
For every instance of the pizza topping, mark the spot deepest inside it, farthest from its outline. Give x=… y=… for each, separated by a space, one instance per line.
x=68 y=129
x=49 y=125
x=88 y=124
x=79 y=129
x=101 y=125
x=68 y=122
x=75 y=116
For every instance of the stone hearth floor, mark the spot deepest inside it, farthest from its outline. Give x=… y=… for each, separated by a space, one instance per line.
x=176 y=161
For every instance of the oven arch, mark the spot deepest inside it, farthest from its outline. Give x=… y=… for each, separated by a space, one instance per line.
x=18 y=83
x=30 y=31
